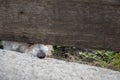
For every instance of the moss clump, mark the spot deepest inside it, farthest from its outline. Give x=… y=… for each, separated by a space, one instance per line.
x=115 y=62
x=101 y=58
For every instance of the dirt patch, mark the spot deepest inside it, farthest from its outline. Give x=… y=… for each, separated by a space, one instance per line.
x=101 y=58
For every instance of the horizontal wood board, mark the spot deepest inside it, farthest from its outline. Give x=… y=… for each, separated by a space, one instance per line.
x=82 y=23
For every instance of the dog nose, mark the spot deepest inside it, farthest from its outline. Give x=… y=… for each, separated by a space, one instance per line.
x=41 y=55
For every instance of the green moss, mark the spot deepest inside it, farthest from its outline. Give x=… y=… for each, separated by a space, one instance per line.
x=115 y=62
x=102 y=58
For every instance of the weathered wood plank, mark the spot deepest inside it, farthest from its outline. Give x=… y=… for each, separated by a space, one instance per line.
x=83 y=23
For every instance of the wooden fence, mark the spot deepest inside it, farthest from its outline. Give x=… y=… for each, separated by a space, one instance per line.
x=81 y=23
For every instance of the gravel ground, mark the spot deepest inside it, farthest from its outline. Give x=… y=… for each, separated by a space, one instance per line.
x=17 y=66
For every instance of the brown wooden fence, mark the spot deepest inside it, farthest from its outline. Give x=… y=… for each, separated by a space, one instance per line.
x=82 y=23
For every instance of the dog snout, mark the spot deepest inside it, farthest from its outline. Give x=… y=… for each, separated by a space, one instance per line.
x=41 y=55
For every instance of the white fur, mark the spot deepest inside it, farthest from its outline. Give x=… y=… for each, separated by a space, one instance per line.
x=27 y=48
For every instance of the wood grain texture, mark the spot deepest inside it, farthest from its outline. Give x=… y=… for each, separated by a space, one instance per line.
x=81 y=23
